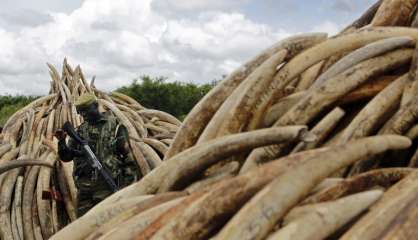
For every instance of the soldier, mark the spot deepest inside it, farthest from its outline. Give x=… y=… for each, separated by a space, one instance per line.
x=109 y=142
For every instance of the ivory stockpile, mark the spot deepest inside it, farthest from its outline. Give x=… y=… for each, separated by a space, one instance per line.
x=313 y=138
x=29 y=164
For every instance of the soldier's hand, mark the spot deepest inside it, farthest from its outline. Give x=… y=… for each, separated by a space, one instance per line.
x=60 y=134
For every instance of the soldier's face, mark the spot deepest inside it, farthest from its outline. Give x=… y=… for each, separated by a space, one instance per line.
x=89 y=113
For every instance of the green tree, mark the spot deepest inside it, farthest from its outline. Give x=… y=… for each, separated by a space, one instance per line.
x=176 y=98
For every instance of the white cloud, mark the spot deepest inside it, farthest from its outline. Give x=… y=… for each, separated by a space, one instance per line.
x=120 y=40
x=329 y=27
x=196 y=5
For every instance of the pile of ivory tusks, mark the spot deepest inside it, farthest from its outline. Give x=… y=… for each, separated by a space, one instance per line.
x=311 y=139
x=29 y=165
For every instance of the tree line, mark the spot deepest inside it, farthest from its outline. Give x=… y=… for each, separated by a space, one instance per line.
x=176 y=98
x=10 y=104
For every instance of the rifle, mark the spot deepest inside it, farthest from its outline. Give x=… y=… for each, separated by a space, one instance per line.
x=94 y=162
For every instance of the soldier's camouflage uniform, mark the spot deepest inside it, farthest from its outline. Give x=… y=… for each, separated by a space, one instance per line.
x=106 y=138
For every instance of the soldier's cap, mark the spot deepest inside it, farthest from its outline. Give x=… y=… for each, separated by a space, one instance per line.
x=85 y=100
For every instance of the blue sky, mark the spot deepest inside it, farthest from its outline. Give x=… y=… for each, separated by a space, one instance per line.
x=193 y=41
x=302 y=15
